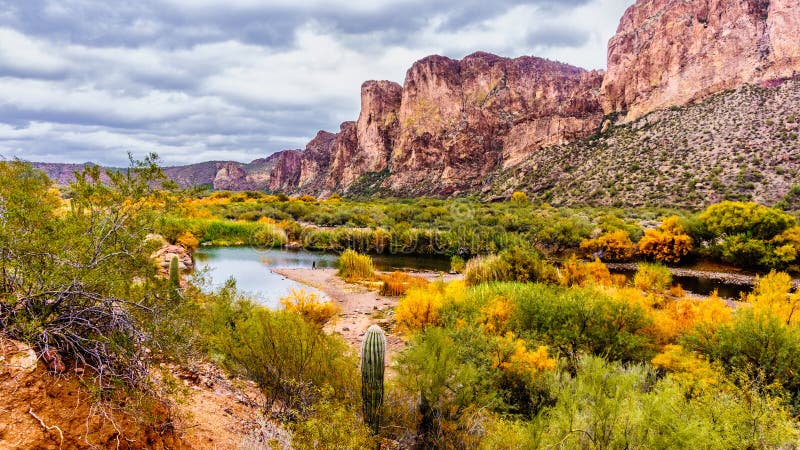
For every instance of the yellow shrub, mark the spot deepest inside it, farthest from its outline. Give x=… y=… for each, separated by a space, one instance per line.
x=613 y=246
x=652 y=277
x=188 y=241
x=773 y=293
x=668 y=243
x=514 y=357
x=309 y=305
x=418 y=309
x=421 y=305
x=496 y=315
x=686 y=368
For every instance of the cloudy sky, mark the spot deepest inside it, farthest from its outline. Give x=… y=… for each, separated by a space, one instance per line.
x=197 y=80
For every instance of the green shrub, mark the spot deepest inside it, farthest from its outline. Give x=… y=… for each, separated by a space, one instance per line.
x=652 y=277
x=619 y=407
x=354 y=266
x=291 y=360
x=756 y=345
x=457 y=264
x=484 y=269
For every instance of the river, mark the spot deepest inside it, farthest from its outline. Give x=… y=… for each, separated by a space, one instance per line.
x=252 y=268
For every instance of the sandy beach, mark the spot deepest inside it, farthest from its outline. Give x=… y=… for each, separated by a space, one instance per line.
x=361 y=306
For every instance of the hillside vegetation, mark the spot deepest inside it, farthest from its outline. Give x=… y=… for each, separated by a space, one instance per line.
x=736 y=145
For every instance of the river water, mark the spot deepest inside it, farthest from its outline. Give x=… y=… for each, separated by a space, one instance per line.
x=251 y=268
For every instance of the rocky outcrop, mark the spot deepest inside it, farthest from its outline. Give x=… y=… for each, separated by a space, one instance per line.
x=461 y=120
x=673 y=52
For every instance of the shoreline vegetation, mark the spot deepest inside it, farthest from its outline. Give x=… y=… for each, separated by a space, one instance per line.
x=514 y=353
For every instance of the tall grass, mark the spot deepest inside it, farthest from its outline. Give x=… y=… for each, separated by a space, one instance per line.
x=355 y=266
x=652 y=277
x=223 y=232
x=484 y=269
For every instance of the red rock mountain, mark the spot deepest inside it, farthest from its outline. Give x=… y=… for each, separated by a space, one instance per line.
x=673 y=52
x=453 y=124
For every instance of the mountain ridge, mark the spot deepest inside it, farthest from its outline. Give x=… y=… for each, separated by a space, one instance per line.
x=453 y=126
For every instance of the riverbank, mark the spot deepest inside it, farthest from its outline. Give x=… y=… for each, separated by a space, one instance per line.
x=361 y=306
x=739 y=279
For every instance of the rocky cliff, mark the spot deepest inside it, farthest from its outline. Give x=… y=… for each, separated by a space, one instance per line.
x=459 y=120
x=673 y=52
x=480 y=124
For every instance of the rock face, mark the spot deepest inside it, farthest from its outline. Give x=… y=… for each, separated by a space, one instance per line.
x=673 y=52
x=459 y=120
x=455 y=125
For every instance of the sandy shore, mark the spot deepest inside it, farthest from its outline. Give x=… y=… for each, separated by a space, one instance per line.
x=361 y=307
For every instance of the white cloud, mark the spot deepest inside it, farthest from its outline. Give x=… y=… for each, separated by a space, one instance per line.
x=239 y=79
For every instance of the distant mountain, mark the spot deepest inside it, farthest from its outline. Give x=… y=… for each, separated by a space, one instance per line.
x=699 y=103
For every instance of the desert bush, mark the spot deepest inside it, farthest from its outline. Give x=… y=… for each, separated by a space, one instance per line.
x=421 y=305
x=484 y=269
x=329 y=424
x=652 y=277
x=519 y=198
x=621 y=407
x=396 y=284
x=756 y=347
x=612 y=246
x=188 y=241
x=669 y=243
x=751 y=219
x=268 y=235
x=289 y=358
x=457 y=264
x=578 y=273
x=577 y=321
x=354 y=266
x=66 y=273
x=310 y=306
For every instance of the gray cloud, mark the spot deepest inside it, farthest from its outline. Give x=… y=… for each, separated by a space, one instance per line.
x=239 y=79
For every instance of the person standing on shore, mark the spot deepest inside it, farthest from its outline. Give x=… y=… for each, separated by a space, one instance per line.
x=313 y=265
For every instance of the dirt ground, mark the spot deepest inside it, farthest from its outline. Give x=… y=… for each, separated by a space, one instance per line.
x=40 y=410
x=361 y=305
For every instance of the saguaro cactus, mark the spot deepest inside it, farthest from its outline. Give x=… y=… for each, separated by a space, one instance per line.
x=373 y=352
x=174 y=279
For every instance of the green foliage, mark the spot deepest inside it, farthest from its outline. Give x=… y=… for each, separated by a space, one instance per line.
x=512 y=264
x=757 y=346
x=67 y=273
x=576 y=321
x=331 y=425
x=354 y=266
x=290 y=359
x=373 y=355
x=617 y=407
x=652 y=277
x=457 y=264
x=751 y=219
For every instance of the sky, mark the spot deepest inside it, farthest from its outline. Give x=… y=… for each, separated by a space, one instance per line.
x=200 y=80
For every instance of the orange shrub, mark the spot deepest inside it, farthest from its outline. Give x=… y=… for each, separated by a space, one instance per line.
x=309 y=305
x=613 y=246
x=686 y=368
x=668 y=243
x=578 y=273
x=513 y=356
x=188 y=241
x=396 y=284
x=496 y=314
